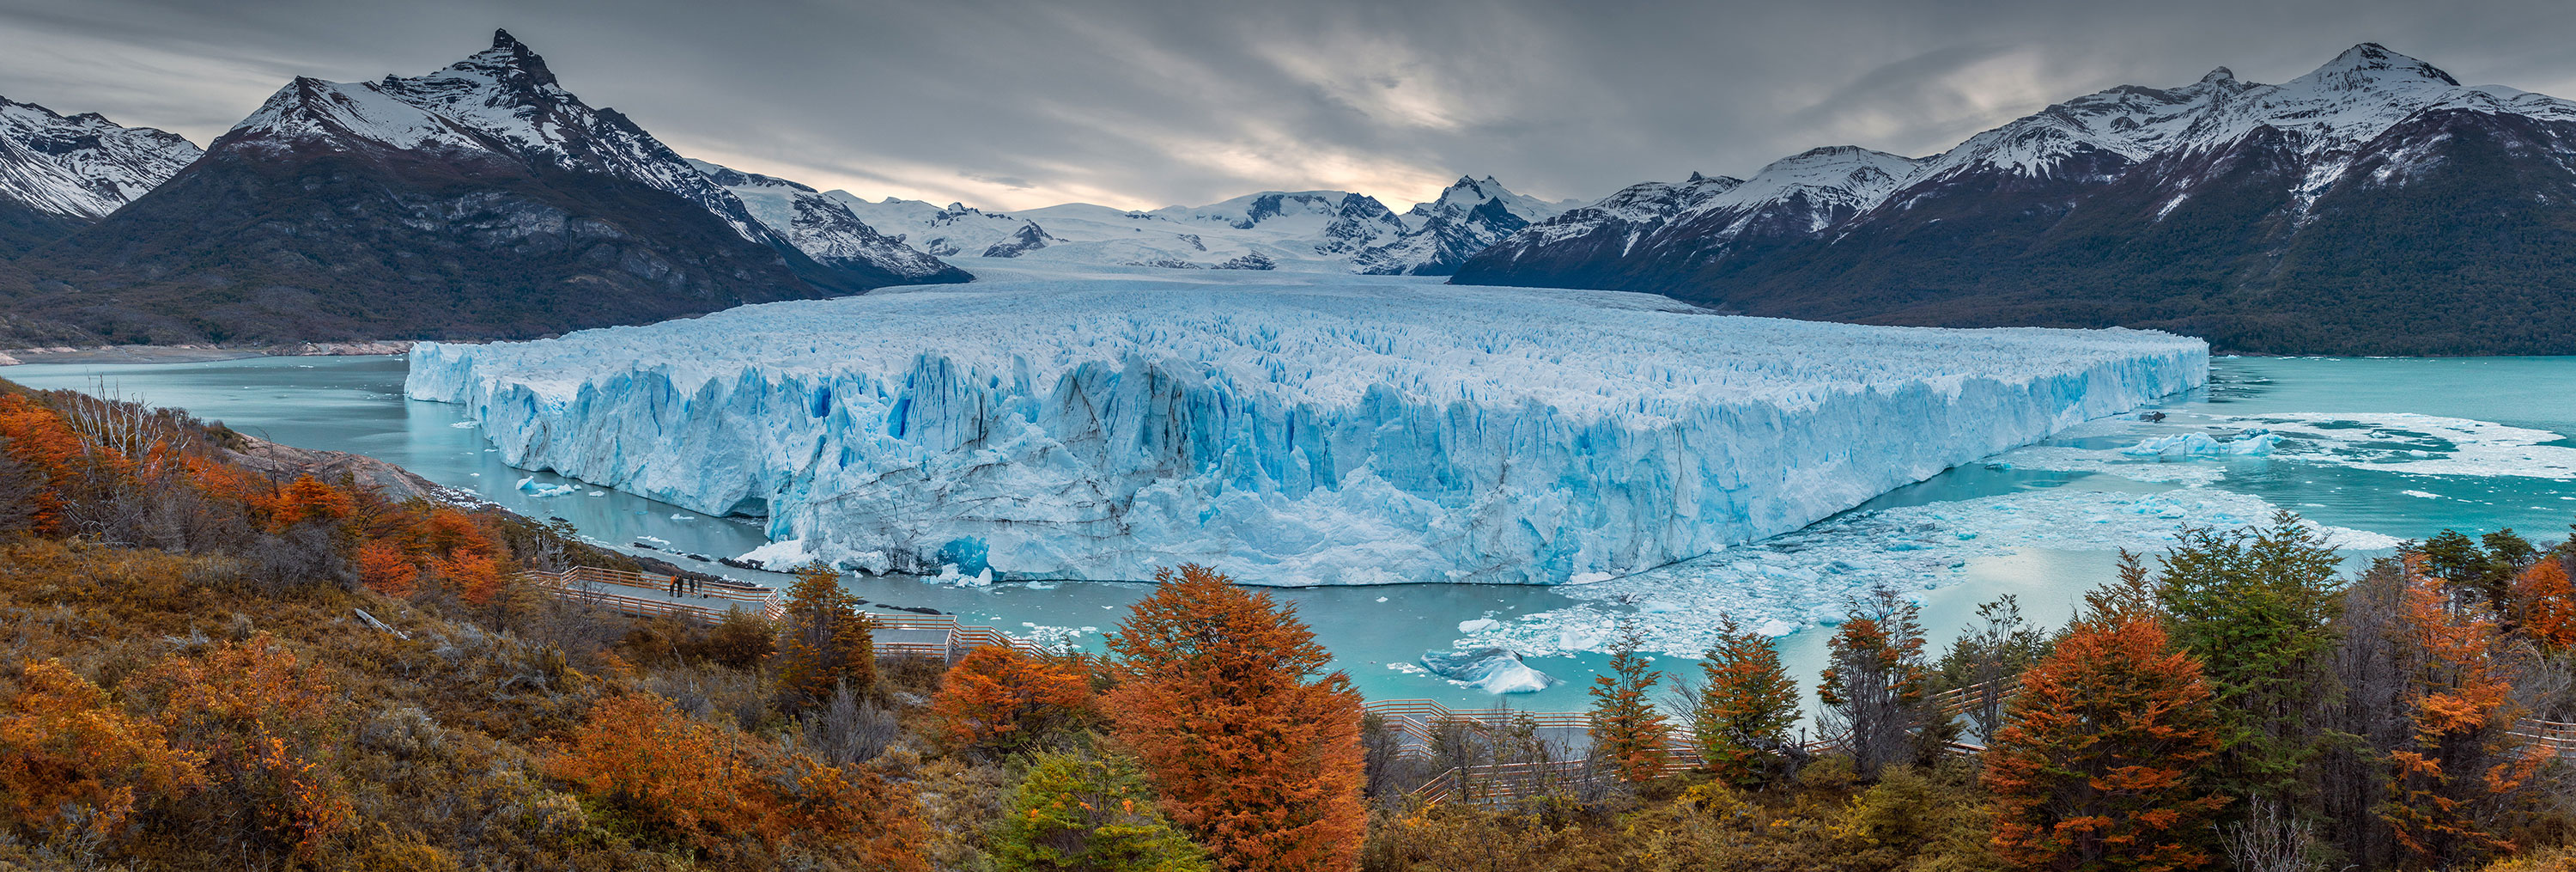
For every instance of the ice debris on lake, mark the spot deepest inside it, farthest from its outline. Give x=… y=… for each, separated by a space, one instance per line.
x=2249 y=444
x=533 y=488
x=1493 y=670
x=1802 y=579
x=1287 y=429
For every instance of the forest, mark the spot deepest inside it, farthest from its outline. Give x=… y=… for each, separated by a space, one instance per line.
x=213 y=667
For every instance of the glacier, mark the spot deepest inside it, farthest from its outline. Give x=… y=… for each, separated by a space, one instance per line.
x=1286 y=428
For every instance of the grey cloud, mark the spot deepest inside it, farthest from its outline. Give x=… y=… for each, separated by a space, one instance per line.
x=1143 y=103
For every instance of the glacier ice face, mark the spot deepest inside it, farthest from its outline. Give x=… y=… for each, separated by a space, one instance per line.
x=1287 y=428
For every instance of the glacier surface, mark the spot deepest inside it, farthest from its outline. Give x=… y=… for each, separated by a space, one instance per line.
x=1287 y=428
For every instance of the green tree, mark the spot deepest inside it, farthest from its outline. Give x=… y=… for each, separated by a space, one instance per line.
x=2257 y=608
x=1626 y=729
x=1093 y=815
x=824 y=643
x=1747 y=702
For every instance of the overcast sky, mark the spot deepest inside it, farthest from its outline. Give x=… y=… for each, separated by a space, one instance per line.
x=1143 y=104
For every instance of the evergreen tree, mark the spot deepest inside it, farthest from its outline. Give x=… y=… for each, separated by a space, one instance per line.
x=1255 y=748
x=2257 y=609
x=824 y=642
x=1873 y=687
x=1626 y=729
x=2097 y=766
x=1746 y=705
x=1074 y=814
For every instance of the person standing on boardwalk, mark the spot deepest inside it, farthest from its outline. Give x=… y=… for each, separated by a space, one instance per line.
x=675 y=586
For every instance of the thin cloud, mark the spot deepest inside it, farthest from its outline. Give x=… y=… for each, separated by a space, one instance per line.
x=1144 y=103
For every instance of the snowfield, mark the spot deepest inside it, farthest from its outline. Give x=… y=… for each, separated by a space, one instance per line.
x=1288 y=428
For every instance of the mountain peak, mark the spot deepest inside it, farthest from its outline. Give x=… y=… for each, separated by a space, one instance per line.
x=2216 y=76
x=2371 y=62
x=506 y=60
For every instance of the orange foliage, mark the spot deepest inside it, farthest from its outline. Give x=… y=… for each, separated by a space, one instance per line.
x=36 y=436
x=710 y=785
x=2096 y=768
x=259 y=716
x=2546 y=606
x=1255 y=748
x=1624 y=724
x=61 y=744
x=2463 y=759
x=1000 y=698
x=825 y=641
x=386 y=569
x=308 y=499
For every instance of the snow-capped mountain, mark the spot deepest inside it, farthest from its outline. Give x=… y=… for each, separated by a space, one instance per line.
x=481 y=200
x=1468 y=216
x=1795 y=197
x=1301 y=230
x=58 y=173
x=1306 y=231
x=824 y=228
x=2372 y=205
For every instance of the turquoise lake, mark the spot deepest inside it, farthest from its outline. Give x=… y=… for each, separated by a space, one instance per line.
x=2374 y=450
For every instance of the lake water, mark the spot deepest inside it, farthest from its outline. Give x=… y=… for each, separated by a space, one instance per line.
x=2375 y=450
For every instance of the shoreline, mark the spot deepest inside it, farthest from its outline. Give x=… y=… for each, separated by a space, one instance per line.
x=112 y=354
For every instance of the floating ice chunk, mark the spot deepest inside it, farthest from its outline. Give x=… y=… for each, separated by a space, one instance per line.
x=655 y=541
x=684 y=517
x=466 y=425
x=1478 y=625
x=2252 y=444
x=1776 y=627
x=1493 y=670
x=531 y=487
x=782 y=555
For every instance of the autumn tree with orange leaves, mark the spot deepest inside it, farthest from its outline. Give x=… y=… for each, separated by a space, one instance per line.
x=1747 y=702
x=1002 y=699
x=1224 y=696
x=1625 y=727
x=825 y=643
x=2099 y=765
x=2462 y=764
x=2544 y=606
x=1873 y=683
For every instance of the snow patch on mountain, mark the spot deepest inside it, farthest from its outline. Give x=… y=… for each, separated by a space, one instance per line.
x=82 y=166
x=500 y=103
x=1469 y=216
x=822 y=227
x=1289 y=428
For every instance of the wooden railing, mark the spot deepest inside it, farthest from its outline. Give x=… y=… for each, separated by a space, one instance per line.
x=906 y=635
x=595 y=585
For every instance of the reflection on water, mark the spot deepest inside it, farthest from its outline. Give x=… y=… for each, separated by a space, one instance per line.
x=356 y=404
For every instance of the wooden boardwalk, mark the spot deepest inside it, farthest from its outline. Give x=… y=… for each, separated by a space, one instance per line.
x=646 y=594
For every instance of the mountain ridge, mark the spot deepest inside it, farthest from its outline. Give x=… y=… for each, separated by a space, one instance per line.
x=2204 y=208
x=481 y=200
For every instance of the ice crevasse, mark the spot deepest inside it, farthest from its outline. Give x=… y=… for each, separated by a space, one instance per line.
x=1290 y=430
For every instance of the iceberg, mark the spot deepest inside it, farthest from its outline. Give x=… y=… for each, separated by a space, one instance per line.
x=1492 y=670
x=1288 y=429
